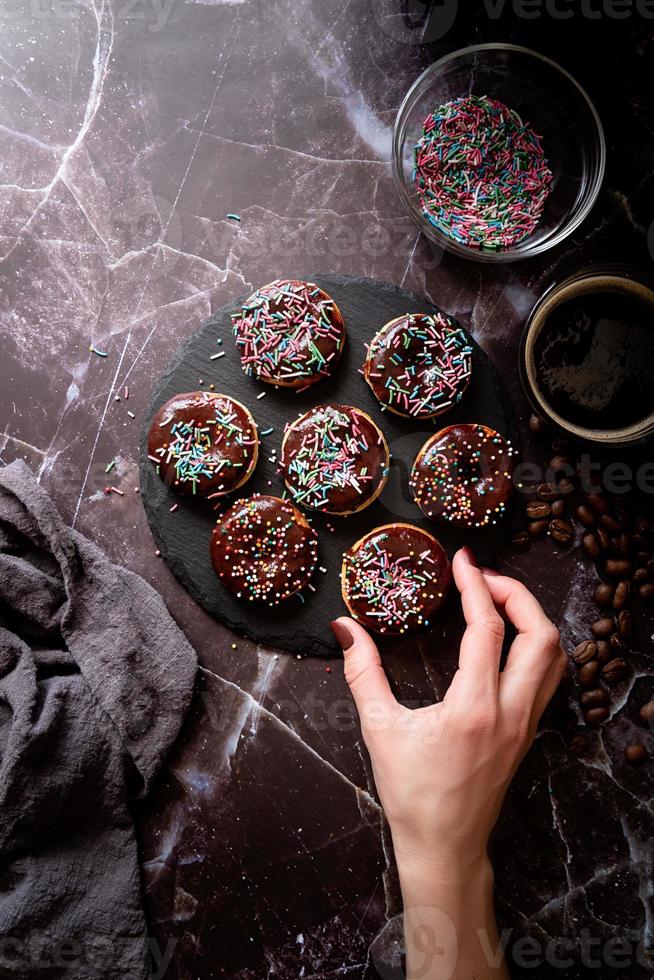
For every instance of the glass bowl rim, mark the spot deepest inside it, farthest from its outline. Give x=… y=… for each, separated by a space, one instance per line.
x=512 y=254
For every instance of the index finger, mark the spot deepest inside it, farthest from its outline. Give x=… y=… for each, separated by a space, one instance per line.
x=535 y=662
x=481 y=646
x=521 y=607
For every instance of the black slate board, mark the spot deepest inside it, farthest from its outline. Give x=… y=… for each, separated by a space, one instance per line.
x=183 y=536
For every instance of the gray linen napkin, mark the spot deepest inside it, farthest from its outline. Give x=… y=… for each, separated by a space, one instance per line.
x=95 y=679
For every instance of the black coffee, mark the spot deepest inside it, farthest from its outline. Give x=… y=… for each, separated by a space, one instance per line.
x=594 y=360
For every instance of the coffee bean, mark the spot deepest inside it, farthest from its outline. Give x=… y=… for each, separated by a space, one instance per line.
x=584 y=651
x=537 y=425
x=558 y=508
x=617 y=644
x=623 y=516
x=535 y=529
x=604 y=651
x=610 y=524
x=646 y=591
x=618 y=567
x=538 y=509
x=585 y=516
x=625 y=545
x=602 y=628
x=635 y=754
x=623 y=621
x=604 y=593
x=520 y=539
x=641 y=525
x=595 y=716
x=561 y=464
x=603 y=538
x=548 y=491
x=595 y=697
x=566 y=487
x=589 y=674
x=561 y=531
x=615 y=670
x=646 y=714
x=613 y=550
x=621 y=596
x=597 y=502
x=591 y=545
x=639 y=576
x=578 y=744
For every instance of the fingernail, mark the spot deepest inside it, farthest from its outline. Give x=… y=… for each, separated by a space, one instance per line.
x=468 y=555
x=342 y=634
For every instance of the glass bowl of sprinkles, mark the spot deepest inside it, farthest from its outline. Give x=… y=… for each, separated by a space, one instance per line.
x=498 y=153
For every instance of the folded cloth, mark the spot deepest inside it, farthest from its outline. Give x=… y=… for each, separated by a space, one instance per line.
x=95 y=678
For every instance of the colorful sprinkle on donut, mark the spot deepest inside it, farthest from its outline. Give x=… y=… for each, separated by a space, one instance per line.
x=289 y=333
x=203 y=443
x=264 y=550
x=395 y=578
x=419 y=364
x=464 y=475
x=334 y=459
x=480 y=172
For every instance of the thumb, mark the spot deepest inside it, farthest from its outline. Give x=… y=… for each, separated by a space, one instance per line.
x=364 y=672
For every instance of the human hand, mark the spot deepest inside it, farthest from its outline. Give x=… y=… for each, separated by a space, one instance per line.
x=442 y=771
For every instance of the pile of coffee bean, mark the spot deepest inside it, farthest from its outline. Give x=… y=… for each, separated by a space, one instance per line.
x=618 y=536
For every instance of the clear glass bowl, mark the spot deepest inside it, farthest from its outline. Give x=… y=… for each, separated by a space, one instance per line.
x=548 y=99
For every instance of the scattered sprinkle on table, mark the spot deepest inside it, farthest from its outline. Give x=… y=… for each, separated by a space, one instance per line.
x=261 y=395
x=131 y=415
x=268 y=431
x=109 y=467
x=481 y=173
x=100 y=353
x=214 y=357
x=234 y=217
x=116 y=490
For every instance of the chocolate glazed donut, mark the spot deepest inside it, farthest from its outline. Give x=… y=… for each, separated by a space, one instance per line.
x=263 y=549
x=289 y=333
x=395 y=578
x=464 y=474
x=334 y=459
x=419 y=365
x=203 y=443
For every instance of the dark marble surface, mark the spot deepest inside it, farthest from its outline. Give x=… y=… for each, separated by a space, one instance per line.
x=129 y=129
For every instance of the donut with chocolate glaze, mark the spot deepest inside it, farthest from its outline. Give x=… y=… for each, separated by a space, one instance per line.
x=419 y=364
x=334 y=459
x=289 y=333
x=203 y=443
x=263 y=549
x=463 y=475
x=395 y=578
